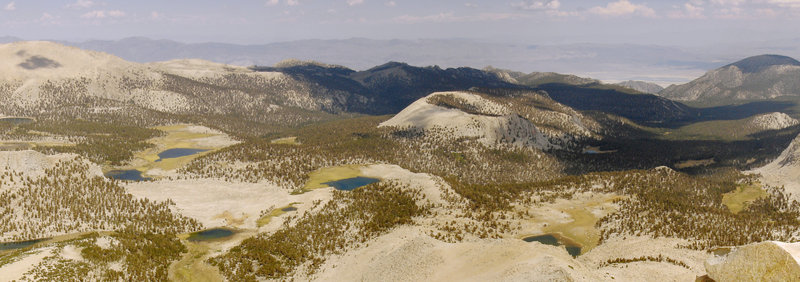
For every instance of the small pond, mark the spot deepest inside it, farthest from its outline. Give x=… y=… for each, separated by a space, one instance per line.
x=721 y=251
x=20 y=245
x=210 y=234
x=129 y=175
x=549 y=239
x=178 y=152
x=16 y=120
x=14 y=146
x=350 y=184
x=288 y=209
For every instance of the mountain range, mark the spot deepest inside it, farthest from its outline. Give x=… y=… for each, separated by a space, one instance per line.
x=46 y=76
x=662 y=64
x=435 y=173
x=762 y=77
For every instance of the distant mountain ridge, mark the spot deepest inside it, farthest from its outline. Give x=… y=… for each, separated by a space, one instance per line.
x=642 y=86
x=661 y=63
x=761 y=77
x=759 y=63
x=53 y=78
x=45 y=77
x=393 y=85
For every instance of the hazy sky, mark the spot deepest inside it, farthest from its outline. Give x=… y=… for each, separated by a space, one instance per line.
x=692 y=22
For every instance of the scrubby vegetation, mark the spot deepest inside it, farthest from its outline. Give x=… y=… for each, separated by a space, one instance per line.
x=69 y=199
x=100 y=142
x=346 y=221
x=360 y=141
x=659 y=203
x=130 y=256
x=659 y=258
x=491 y=187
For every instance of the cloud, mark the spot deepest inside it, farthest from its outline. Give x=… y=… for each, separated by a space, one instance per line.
x=390 y=4
x=623 y=7
x=440 y=17
x=689 y=10
x=786 y=3
x=47 y=19
x=81 y=4
x=272 y=2
x=354 y=2
x=771 y=13
x=538 y=5
x=10 y=6
x=728 y=2
x=451 y=17
x=731 y=13
x=102 y=14
x=292 y=2
x=470 y=5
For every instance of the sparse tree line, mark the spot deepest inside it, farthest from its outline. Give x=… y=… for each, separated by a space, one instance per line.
x=138 y=256
x=360 y=141
x=66 y=199
x=659 y=258
x=345 y=222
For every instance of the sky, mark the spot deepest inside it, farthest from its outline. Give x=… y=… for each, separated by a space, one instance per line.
x=680 y=23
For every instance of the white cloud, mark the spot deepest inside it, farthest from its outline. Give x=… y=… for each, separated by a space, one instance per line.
x=10 y=6
x=390 y=4
x=689 y=10
x=450 y=17
x=470 y=5
x=538 y=5
x=102 y=14
x=272 y=2
x=767 y=12
x=47 y=19
x=81 y=4
x=440 y=17
x=786 y=3
x=354 y=2
x=116 y=13
x=292 y=2
x=623 y=7
x=731 y=13
x=728 y=2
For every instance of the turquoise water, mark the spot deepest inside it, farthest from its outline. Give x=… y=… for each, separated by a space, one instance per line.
x=551 y=240
x=178 y=152
x=19 y=245
x=130 y=175
x=210 y=234
x=350 y=184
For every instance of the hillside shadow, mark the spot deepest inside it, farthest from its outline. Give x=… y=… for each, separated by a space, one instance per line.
x=39 y=62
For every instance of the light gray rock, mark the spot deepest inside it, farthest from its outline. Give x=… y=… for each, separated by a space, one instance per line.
x=765 y=261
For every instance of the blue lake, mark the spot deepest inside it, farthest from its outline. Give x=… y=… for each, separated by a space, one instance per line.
x=130 y=175
x=210 y=234
x=19 y=245
x=549 y=239
x=178 y=152
x=351 y=183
